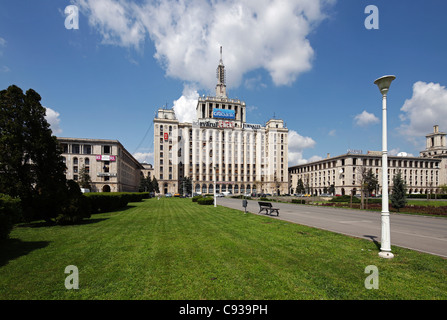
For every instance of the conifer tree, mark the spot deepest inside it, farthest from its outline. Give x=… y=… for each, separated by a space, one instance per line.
x=398 y=197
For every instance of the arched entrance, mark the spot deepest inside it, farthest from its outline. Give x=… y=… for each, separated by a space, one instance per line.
x=106 y=188
x=165 y=188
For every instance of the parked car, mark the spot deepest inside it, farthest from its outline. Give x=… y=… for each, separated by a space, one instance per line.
x=168 y=195
x=177 y=195
x=220 y=195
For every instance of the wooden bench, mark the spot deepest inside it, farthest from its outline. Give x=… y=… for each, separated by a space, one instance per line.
x=267 y=206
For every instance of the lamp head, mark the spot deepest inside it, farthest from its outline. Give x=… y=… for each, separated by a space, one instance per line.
x=384 y=83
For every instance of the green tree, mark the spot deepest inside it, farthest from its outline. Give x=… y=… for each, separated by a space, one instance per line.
x=398 y=197
x=76 y=207
x=84 y=178
x=146 y=184
x=155 y=185
x=31 y=165
x=187 y=182
x=300 y=186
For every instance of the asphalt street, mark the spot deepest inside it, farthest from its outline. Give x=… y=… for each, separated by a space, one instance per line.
x=421 y=233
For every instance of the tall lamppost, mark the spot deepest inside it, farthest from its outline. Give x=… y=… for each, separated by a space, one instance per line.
x=385 y=250
x=214 y=178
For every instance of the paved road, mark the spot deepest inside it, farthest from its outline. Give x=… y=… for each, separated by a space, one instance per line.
x=425 y=234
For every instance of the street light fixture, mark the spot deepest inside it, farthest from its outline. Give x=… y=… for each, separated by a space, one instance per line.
x=385 y=250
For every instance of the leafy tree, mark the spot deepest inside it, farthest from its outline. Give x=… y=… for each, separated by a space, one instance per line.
x=332 y=189
x=146 y=184
x=155 y=185
x=371 y=181
x=398 y=197
x=300 y=186
x=187 y=182
x=31 y=165
x=84 y=178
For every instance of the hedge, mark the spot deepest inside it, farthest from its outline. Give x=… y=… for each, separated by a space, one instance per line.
x=109 y=201
x=10 y=213
x=195 y=198
x=206 y=201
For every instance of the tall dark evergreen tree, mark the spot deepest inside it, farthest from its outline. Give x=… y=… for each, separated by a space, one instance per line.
x=398 y=197
x=300 y=187
x=31 y=165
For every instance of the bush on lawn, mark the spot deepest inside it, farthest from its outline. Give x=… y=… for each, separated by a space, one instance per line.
x=104 y=202
x=195 y=198
x=299 y=201
x=205 y=201
x=76 y=207
x=10 y=213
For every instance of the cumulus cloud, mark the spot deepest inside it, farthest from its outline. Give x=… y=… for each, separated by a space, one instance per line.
x=426 y=108
x=144 y=157
x=297 y=143
x=52 y=118
x=263 y=34
x=365 y=118
x=185 y=106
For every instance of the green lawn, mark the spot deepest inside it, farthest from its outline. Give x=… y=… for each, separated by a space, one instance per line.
x=175 y=249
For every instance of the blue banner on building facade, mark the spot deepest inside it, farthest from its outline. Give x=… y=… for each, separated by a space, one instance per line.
x=223 y=114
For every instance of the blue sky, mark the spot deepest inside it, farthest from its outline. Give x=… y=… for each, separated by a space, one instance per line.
x=311 y=63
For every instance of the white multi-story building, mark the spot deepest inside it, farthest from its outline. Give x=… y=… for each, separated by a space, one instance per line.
x=220 y=148
x=423 y=174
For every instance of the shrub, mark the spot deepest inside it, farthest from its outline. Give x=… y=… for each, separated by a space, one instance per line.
x=107 y=201
x=195 y=198
x=10 y=213
x=206 y=201
x=300 y=201
x=77 y=206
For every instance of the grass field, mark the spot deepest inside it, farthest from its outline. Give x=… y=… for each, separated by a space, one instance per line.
x=175 y=249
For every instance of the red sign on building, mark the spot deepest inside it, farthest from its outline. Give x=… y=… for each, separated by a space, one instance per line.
x=166 y=136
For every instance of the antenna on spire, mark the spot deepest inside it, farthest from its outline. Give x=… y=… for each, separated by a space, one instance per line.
x=220 y=54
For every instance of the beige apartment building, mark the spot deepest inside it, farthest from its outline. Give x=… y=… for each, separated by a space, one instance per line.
x=219 y=149
x=110 y=166
x=423 y=174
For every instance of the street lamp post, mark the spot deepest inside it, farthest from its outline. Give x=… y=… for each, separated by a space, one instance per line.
x=385 y=250
x=214 y=189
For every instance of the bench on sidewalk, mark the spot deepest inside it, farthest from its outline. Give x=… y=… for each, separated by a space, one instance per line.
x=267 y=206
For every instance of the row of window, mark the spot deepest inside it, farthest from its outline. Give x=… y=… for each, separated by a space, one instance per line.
x=83 y=148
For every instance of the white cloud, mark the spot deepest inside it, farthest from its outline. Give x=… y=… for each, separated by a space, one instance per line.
x=144 y=157
x=52 y=118
x=185 y=106
x=297 y=143
x=332 y=133
x=266 y=34
x=426 y=108
x=365 y=118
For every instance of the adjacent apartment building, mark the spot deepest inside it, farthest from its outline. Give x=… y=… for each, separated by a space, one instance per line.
x=219 y=149
x=423 y=174
x=110 y=166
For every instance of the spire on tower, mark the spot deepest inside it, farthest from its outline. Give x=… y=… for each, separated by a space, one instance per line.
x=220 y=73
